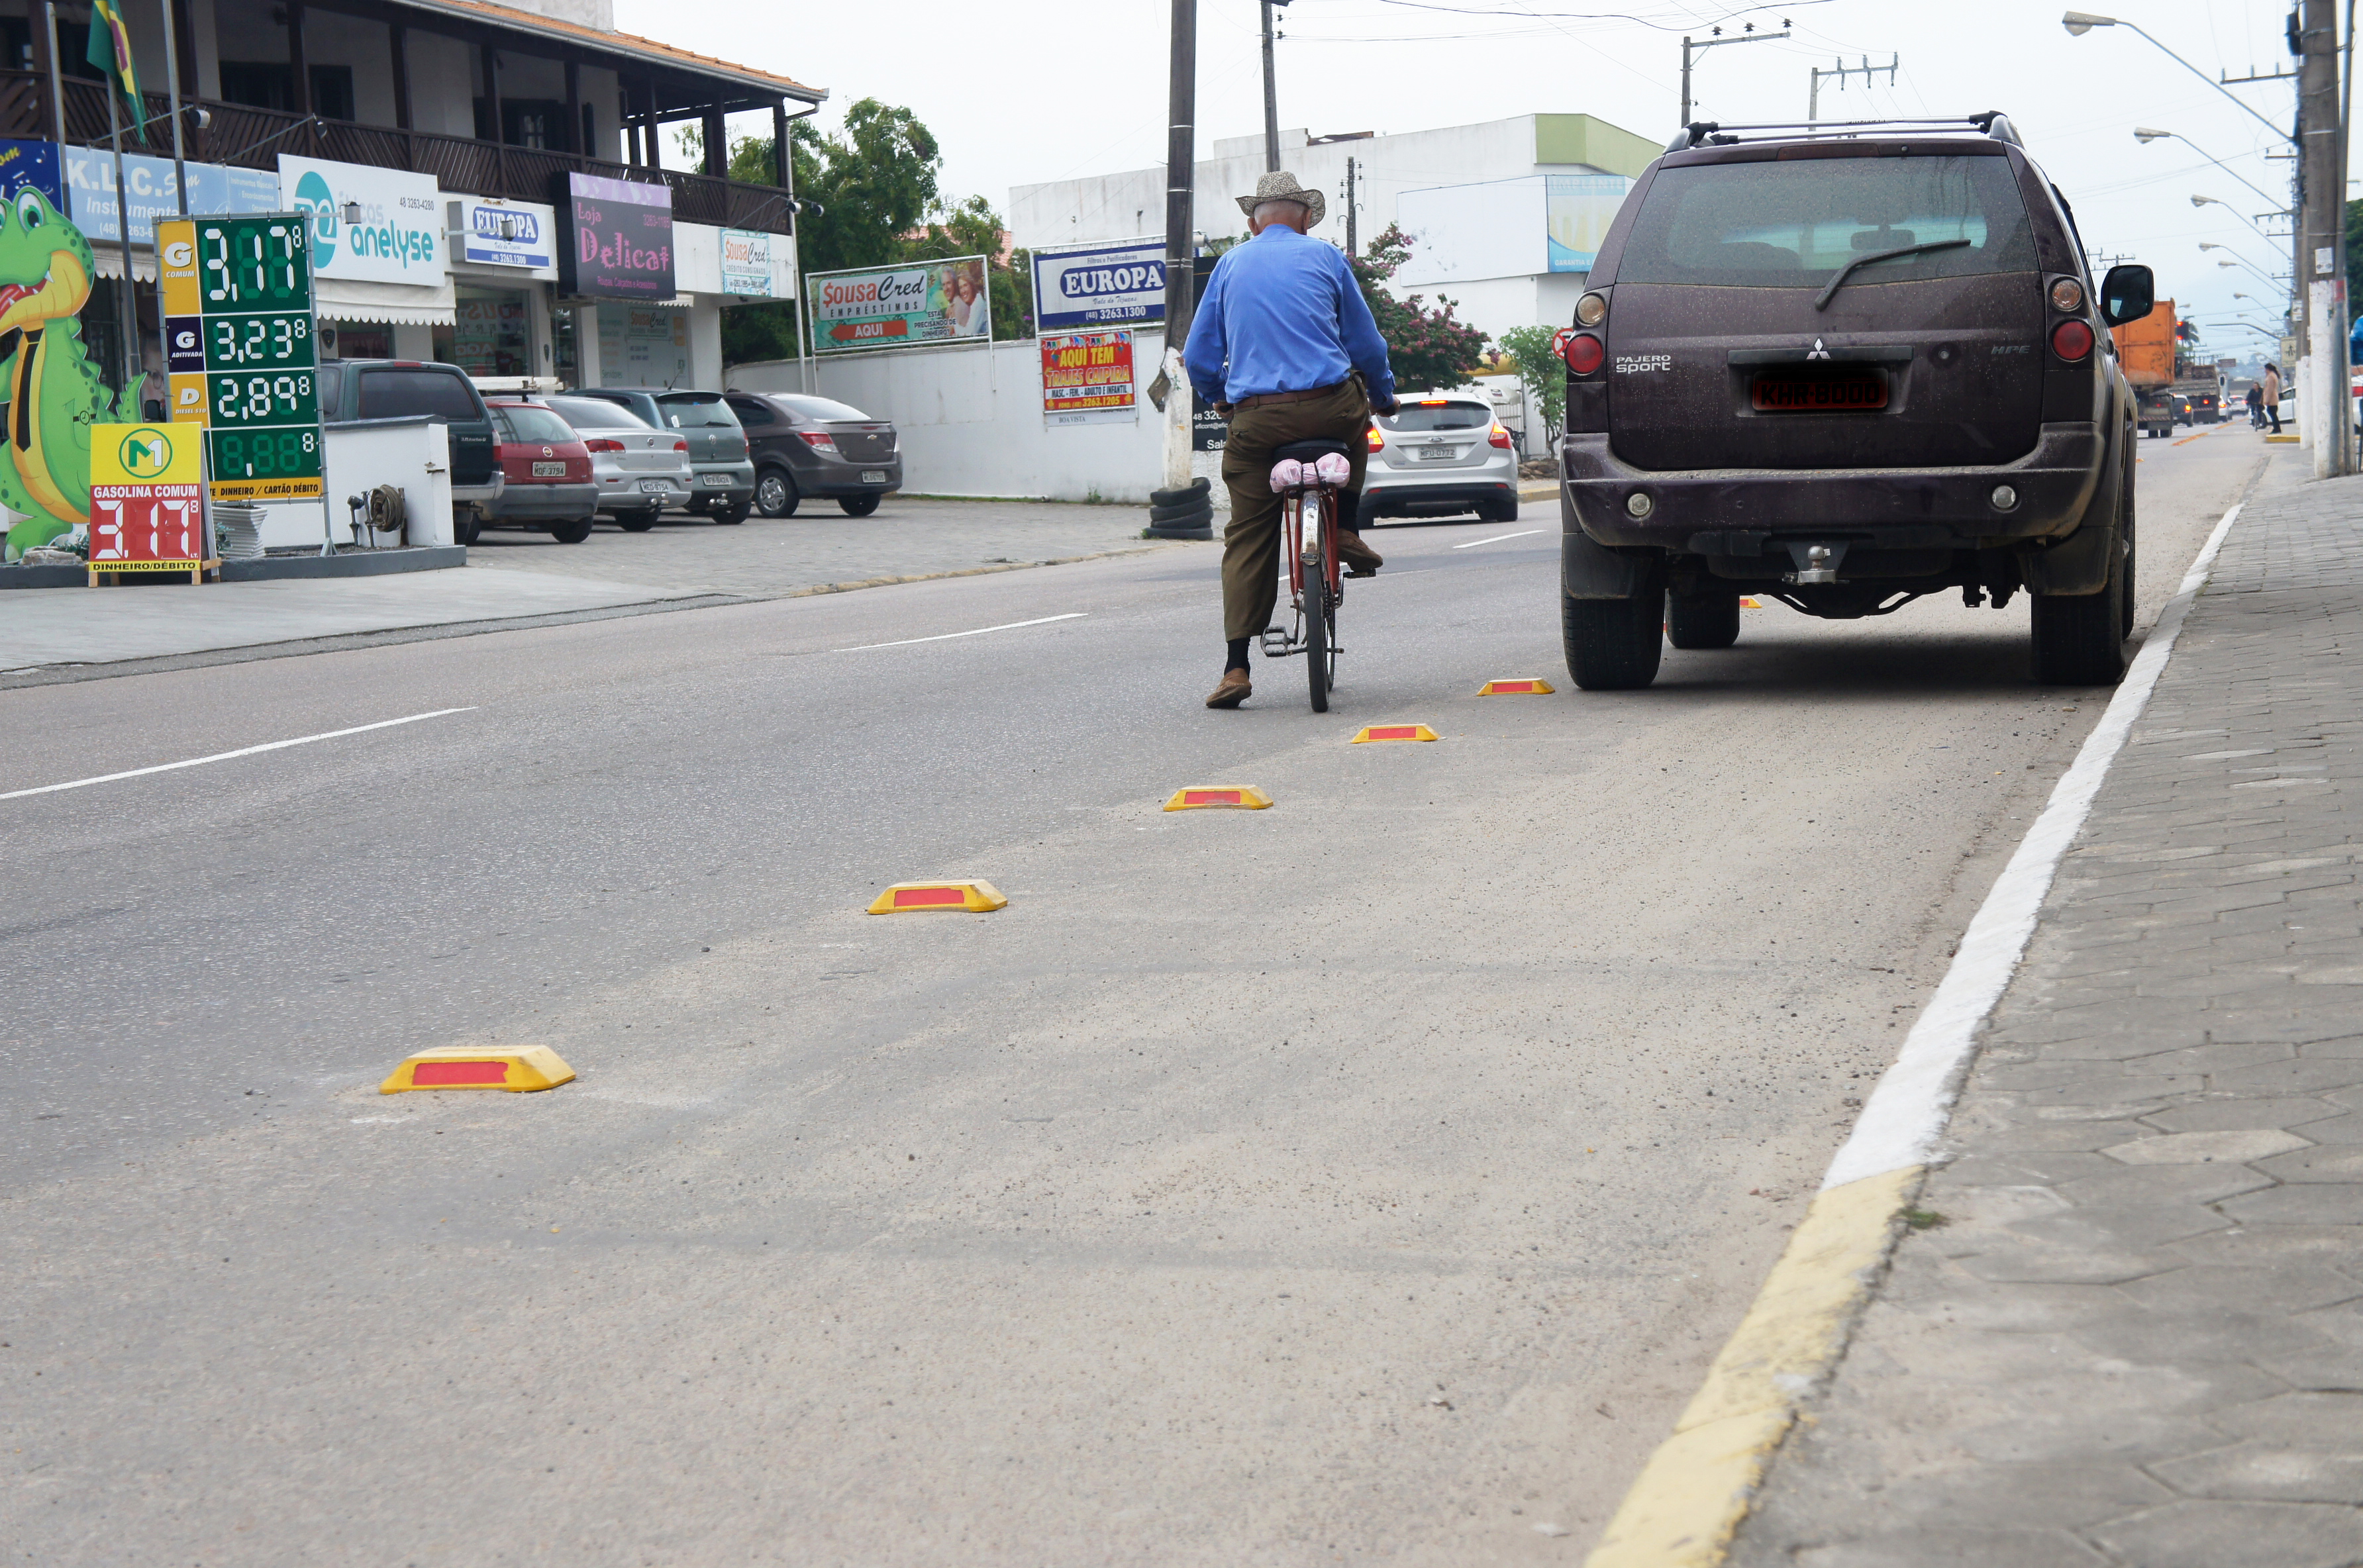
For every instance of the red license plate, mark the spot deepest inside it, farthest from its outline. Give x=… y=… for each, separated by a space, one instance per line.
x=1819 y=394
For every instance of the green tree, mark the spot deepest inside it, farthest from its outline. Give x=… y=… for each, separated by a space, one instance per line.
x=1543 y=374
x=973 y=229
x=1426 y=348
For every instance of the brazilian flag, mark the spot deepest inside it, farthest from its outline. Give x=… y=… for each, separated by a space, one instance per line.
x=110 y=51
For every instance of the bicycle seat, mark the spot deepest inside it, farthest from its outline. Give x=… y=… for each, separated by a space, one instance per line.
x=1309 y=451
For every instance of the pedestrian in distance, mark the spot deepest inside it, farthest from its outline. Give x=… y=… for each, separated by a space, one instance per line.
x=1284 y=347
x=2272 y=397
x=2255 y=407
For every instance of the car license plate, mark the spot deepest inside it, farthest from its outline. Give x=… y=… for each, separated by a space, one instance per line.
x=713 y=481
x=549 y=471
x=1818 y=395
x=656 y=487
x=873 y=476
x=1438 y=454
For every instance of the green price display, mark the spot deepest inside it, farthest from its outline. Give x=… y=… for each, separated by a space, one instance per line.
x=275 y=342
x=264 y=454
x=263 y=397
x=250 y=264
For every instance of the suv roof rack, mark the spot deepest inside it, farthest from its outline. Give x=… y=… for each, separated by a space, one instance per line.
x=1708 y=133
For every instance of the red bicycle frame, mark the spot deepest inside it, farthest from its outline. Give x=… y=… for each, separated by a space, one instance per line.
x=1294 y=519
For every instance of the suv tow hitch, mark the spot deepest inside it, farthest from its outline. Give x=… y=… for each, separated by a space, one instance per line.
x=1816 y=563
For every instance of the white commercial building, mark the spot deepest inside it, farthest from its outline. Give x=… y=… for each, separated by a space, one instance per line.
x=1503 y=216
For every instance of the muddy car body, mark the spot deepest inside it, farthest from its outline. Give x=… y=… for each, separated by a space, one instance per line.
x=1845 y=367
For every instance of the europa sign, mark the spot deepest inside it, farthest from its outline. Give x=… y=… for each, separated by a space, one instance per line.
x=619 y=242
x=1119 y=281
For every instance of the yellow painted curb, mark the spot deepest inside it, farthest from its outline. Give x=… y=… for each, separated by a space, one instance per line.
x=1535 y=688
x=959 y=898
x=1697 y=1488
x=1391 y=733
x=2283 y=440
x=1239 y=797
x=520 y=1069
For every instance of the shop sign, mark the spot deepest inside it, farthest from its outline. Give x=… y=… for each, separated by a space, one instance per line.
x=1209 y=431
x=505 y=234
x=1087 y=378
x=399 y=237
x=618 y=240
x=1119 y=281
x=644 y=346
x=88 y=177
x=145 y=507
x=894 y=307
x=245 y=285
x=746 y=264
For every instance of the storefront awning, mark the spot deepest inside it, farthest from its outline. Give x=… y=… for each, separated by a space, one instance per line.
x=396 y=304
x=108 y=261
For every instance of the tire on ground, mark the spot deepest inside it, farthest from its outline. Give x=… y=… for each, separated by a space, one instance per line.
x=1708 y=619
x=1615 y=645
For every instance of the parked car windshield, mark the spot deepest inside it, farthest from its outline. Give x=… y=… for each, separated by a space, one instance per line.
x=697 y=411
x=1435 y=416
x=1794 y=224
x=408 y=393
x=817 y=407
x=525 y=422
x=596 y=413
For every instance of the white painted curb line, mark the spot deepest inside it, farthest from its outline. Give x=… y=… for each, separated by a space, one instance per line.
x=1905 y=1115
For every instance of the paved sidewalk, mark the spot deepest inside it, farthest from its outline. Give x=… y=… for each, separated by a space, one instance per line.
x=2131 y=1331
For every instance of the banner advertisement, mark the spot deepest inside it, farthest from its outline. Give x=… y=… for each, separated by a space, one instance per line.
x=1208 y=431
x=618 y=240
x=147 y=512
x=494 y=233
x=1578 y=209
x=399 y=236
x=643 y=346
x=1087 y=378
x=746 y=264
x=894 y=307
x=88 y=176
x=1116 y=281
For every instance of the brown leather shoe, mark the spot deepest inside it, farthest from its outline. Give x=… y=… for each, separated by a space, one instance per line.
x=1360 y=558
x=1233 y=691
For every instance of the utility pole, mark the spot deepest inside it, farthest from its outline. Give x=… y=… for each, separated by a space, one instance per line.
x=2327 y=408
x=1270 y=94
x=1842 y=70
x=1180 y=254
x=1690 y=49
x=1351 y=246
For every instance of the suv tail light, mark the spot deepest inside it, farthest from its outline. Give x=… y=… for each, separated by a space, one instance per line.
x=2071 y=340
x=1498 y=436
x=1584 y=354
x=601 y=444
x=819 y=440
x=1378 y=442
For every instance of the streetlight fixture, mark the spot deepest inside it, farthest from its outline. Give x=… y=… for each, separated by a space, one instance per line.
x=2143 y=135
x=2079 y=23
x=2216 y=202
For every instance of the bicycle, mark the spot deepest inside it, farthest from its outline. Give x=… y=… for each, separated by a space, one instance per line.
x=1316 y=580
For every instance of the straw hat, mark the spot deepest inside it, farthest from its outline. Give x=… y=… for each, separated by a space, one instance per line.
x=1279 y=185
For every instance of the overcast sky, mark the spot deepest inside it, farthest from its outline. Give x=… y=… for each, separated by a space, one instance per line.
x=1030 y=92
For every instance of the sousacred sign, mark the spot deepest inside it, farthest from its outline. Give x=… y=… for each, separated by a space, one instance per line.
x=147 y=512
x=1121 y=281
x=893 y=307
x=1087 y=378
x=620 y=240
x=746 y=264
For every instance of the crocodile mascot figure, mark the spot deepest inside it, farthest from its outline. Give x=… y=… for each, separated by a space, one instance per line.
x=52 y=393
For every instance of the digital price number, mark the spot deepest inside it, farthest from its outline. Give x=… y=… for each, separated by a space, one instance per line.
x=242 y=350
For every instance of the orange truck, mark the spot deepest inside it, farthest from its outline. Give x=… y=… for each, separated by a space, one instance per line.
x=2145 y=352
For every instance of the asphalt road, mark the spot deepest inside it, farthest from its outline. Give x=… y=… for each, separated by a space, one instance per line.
x=1369 y=1177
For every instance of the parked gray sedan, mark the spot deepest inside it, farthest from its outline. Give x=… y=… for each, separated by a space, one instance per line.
x=639 y=470
x=1439 y=455
x=816 y=447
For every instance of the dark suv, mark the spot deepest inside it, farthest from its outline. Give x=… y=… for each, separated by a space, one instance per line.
x=352 y=391
x=1844 y=367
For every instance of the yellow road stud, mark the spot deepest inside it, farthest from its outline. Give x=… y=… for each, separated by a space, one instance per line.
x=1516 y=689
x=1393 y=733
x=959 y=898
x=1240 y=797
x=1752 y=604
x=517 y=1068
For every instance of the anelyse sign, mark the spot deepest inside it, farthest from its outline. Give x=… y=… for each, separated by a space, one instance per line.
x=399 y=237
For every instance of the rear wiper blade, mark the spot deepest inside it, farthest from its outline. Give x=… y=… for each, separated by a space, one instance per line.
x=1828 y=294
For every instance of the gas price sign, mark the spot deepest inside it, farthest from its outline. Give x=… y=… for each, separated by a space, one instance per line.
x=240 y=336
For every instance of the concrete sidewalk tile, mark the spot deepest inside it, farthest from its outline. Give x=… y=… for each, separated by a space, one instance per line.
x=2009 y=1137
x=2344 y=1046
x=2205 y=1148
x=2028 y=1168
x=2232 y=1115
x=2164 y=1186
x=2346 y=1129
x=2273 y=1469
x=2110 y=1089
x=2302 y=1077
x=2218 y=1057
x=2301 y=1203
x=2143 y=1335
x=2342 y=1162
x=2334 y=1246
x=2218 y=1534
x=1997 y=1548
x=2290 y=1288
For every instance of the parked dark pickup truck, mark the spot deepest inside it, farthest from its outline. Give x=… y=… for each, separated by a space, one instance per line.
x=354 y=389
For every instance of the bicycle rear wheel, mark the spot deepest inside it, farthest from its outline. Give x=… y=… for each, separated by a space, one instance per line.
x=1320 y=624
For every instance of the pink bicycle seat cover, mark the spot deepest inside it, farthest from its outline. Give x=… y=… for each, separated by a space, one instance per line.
x=1287 y=474
x=1332 y=469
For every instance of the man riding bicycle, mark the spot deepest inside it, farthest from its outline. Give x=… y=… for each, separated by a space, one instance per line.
x=1284 y=347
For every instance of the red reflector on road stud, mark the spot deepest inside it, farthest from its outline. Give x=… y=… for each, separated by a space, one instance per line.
x=1752 y=604
x=1516 y=689
x=1394 y=733
x=1239 y=797
x=967 y=896
x=519 y=1069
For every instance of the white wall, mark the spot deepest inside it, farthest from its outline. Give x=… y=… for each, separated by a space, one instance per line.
x=970 y=421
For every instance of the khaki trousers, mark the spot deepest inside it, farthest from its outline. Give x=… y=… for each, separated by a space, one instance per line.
x=1251 y=542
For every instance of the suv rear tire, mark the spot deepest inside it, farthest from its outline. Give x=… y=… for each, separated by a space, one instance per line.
x=1614 y=644
x=2080 y=639
x=1708 y=619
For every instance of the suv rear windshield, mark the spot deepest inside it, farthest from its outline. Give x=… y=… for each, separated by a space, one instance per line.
x=408 y=393
x=527 y=422
x=697 y=411
x=1417 y=417
x=1794 y=224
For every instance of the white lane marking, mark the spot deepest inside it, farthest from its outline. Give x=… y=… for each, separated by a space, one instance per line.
x=943 y=636
x=1905 y=1115
x=226 y=755
x=1498 y=539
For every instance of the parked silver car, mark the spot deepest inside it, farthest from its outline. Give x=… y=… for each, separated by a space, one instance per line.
x=1439 y=455
x=724 y=482
x=639 y=470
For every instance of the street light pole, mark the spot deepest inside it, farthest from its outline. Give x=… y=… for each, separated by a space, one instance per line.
x=2079 y=23
x=2143 y=135
x=1690 y=49
x=1270 y=94
x=1181 y=201
x=2215 y=201
x=2325 y=413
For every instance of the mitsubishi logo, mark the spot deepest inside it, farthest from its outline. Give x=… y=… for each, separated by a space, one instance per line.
x=1818 y=352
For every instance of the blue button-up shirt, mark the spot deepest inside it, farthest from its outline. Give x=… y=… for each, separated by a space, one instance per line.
x=1283 y=314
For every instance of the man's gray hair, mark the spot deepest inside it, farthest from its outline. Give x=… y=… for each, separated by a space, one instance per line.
x=1268 y=212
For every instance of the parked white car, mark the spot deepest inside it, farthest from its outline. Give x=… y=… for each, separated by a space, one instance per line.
x=639 y=470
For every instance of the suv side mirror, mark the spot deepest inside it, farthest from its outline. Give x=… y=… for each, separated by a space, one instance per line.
x=2128 y=293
